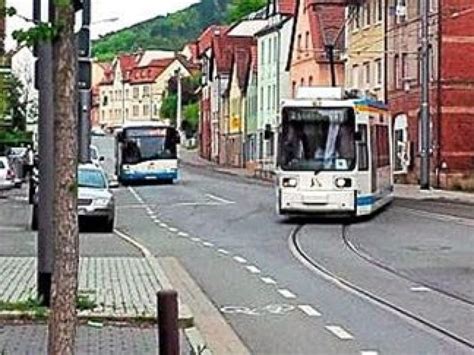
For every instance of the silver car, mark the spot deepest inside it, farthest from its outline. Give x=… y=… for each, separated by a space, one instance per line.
x=95 y=199
x=7 y=176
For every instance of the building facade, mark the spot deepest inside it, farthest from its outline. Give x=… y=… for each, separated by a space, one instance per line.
x=365 y=48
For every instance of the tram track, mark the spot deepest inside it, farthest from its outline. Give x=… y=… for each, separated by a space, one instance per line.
x=315 y=266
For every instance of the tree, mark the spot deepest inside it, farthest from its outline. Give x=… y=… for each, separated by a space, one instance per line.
x=63 y=318
x=169 y=107
x=238 y=9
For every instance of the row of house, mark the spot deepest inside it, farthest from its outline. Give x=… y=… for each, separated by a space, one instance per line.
x=250 y=66
x=133 y=86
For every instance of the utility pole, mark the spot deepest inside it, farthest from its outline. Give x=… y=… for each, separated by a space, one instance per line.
x=425 y=98
x=44 y=83
x=179 y=100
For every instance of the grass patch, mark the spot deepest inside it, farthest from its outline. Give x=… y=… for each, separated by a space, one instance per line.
x=31 y=306
x=84 y=303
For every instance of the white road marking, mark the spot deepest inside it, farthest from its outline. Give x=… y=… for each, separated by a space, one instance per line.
x=207 y=244
x=240 y=260
x=253 y=269
x=286 y=293
x=419 y=289
x=174 y=230
x=220 y=199
x=309 y=310
x=223 y=251
x=164 y=225
x=196 y=239
x=369 y=352
x=182 y=234
x=268 y=280
x=340 y=332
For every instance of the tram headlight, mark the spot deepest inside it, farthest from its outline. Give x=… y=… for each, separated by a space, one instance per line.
x=343 y=182
x=290 y=182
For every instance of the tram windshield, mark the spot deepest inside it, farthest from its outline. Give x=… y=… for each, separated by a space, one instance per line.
x=318 y=139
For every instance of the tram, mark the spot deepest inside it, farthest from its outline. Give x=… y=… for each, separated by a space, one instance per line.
x=334 y=154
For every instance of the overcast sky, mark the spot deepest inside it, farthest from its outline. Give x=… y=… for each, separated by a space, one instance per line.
x=128 y=13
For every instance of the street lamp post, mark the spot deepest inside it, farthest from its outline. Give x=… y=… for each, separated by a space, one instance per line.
x=425 y=101
x=179 y=100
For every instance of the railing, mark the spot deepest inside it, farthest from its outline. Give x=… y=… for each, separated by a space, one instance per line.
x=265 y=169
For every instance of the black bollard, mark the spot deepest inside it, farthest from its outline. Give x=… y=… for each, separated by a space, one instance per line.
x=168 y=331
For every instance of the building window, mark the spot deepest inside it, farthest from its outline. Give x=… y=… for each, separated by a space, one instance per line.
x=270 y=49
x=146 y=111
x=379 y=10
x=367 y=14
x=357 y=17
x=127 y=112
x=103 y=115
x=302 y=82
x=136 y=110
x=262 y=98
x=146 y=91
x=136 y=93
x=299 y=45
x=262 y=50
x=127 y=94
x=378 y=71
x=432 y=64
x=367 y=74
x=355 y=76
x=275 y=99
x=310 y=81
x=396 y=72
x=269 y=98
x=307 y=42
x=111 y=95
x=275 y=50
x=405 y=69
x=294 y=89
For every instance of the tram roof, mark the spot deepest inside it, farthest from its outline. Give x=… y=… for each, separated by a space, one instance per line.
x=364 y=102
x=139 y=124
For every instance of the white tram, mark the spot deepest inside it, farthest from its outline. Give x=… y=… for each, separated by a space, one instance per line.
x=335 y=154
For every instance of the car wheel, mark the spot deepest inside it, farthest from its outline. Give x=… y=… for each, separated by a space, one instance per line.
x=108 y=225
x=34 y=219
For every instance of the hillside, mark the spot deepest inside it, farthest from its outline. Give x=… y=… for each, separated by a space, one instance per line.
x=169 y=32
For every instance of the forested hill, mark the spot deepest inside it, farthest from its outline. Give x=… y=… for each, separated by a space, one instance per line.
x=169 y=32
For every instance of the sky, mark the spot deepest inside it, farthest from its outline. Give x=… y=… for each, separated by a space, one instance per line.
x=126 y=12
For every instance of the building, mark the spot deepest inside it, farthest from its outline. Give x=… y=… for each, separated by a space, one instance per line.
x=273 y=77
x=451 y=91
x=134 y=87
x=251 y=116
x=317 y=34
x=98 y=75
x=365 y=47
x=5 y=71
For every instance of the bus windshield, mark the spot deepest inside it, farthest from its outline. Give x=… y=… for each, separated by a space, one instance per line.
x=318 y=139
x=144 y=144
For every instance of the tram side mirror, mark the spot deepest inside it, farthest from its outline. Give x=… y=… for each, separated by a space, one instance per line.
x=268 y=132
x=358 y=136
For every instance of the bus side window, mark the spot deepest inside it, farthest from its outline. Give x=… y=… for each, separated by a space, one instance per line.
x=362 y=148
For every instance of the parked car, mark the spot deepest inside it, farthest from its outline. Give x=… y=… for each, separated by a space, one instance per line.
x=96 y=158
x=95 y=199
x=7 y=175
x=97 y=131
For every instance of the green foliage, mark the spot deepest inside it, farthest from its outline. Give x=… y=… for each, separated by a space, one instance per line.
x=13 y=102
x=191 y=115
x=169 y=32
x=169 y=107
x=241 y=8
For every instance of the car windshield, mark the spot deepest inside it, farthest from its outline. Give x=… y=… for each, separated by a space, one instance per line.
x=91 y=178
x=144 y=145
x=17 y=151
x=319 y=139
x=2 y=166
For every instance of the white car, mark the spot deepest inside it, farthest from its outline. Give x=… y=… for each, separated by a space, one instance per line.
x=7 y=175
x=96 y=158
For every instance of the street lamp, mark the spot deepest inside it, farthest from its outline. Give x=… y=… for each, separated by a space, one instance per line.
x=98 y=22
x=179 y=99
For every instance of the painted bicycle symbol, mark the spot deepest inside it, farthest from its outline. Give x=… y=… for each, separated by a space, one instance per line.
x=272 y=309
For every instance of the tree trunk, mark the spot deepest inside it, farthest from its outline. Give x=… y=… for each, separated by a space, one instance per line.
x=62 y=322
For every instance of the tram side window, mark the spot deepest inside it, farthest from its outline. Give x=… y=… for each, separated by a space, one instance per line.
x=362 y=148
x=383 y=148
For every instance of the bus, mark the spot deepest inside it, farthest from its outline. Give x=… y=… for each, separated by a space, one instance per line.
x=334 y=154
x=146 y=151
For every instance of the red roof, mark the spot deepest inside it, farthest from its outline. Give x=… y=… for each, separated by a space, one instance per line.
x=151 y=72
x=205 y=40
x=224 y=48
x=242 y=64
x=327 y=22
x=108 y=78
x=127 y=63
x=287 y=7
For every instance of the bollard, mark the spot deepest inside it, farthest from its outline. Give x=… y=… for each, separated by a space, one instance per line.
x=168 y=332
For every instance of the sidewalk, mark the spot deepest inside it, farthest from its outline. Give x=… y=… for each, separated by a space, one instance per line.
x=191 y=158
x=117 y=282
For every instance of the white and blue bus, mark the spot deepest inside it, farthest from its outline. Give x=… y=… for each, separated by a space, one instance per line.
x=335 y=154
x=146 y=151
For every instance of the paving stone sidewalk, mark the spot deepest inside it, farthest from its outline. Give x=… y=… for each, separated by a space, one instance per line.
x=120 y=287
x=32 y=339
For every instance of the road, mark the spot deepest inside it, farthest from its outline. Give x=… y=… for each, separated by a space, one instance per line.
x=399 y=283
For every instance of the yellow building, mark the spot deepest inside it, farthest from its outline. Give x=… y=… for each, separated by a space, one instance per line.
x=365 y=47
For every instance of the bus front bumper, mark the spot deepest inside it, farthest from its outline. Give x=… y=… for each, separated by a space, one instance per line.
x=171 y=174
x=294 y=201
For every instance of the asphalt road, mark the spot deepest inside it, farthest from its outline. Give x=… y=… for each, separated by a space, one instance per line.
x=399 y=283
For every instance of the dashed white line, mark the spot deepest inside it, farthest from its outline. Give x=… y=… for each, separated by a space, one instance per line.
x=268 y=280
x=220 y=199
x=223 y=251
x=253 y=269
x=286 y=293
x=340 y=332
x=182 y=234
x=240 y=260
x=369 y=352
x=419 y=289
x=164 y=225
x=196 y=239
x=309 y=310
x=174 y=230
x=207 y=244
